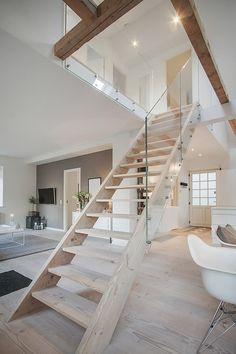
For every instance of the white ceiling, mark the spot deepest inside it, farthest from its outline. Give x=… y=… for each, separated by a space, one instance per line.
x=204 y=143
x=47 y=112
x=151 y=24
x=218 y=21
x=43 y=108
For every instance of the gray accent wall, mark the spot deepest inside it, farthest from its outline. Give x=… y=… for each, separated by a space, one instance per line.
x=51 y=175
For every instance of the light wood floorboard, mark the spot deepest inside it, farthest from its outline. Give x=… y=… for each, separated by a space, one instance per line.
x=167 y=311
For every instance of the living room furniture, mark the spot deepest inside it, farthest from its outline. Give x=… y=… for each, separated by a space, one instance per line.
x=13 y=232
x=221 y=216
x=36 y=222
x=31 y=220
x=226 y=236
x=218 y=269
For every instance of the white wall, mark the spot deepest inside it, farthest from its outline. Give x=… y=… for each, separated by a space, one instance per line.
x=219 y=131
x=19 y=183
x=106 y=48
x=157 y=73
x=36 y=90
x=40 y=24
x=226 y=191
x=1 y=186
x=226 y=177
x=156 y=68
x=202 y=89
x=232 y=158
x=218 y=21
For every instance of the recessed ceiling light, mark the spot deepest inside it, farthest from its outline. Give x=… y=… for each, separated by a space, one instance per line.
x=176 y=19
x=192 y=149
x=199 y=155
x=134 y=43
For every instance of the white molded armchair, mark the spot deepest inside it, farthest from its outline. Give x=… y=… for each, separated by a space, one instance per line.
x=218 y=270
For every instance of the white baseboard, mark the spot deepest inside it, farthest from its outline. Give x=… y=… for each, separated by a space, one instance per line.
x=54 y=229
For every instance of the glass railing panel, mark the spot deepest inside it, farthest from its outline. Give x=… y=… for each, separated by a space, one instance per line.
x=169 y=128
x=92 y=78
x=139 y=72
x=135 y=79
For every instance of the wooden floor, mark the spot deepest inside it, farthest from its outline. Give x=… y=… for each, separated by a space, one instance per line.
x=167 y=311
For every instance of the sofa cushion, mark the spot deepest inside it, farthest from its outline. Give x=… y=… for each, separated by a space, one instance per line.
x=226 y=234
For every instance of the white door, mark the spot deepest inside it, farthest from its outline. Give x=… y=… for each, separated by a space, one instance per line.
x=71 y=186
x=202 y=197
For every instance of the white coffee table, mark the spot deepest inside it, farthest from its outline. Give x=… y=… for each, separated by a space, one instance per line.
x=13 y=231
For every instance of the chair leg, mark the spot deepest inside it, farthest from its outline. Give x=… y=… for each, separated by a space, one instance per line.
x=219 y=336
x=216 y=318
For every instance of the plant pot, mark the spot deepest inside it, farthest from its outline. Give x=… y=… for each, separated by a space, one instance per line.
x=33 y=213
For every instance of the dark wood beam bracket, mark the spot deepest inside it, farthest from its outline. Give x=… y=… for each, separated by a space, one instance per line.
x=85 y=9
x=107 y=12
x=190 y=21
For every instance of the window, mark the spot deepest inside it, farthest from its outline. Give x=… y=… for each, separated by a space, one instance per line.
x=204 y=188
x=1 y=186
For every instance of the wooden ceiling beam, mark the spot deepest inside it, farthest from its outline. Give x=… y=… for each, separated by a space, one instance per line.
x=108 y=12
x=85 y=9
x=232 y=123
x=187 y=13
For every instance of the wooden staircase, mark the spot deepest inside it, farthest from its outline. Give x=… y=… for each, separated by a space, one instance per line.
x=99 y=320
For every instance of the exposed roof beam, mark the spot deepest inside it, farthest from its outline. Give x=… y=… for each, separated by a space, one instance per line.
x=191 y=23
x=108 y=12
x=85 y=9
x=232 y=123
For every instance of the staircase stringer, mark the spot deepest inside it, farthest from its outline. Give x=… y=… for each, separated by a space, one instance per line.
x=104 y=321
x=58 y=257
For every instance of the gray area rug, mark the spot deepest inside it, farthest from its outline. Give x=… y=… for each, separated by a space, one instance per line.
x=33 y=244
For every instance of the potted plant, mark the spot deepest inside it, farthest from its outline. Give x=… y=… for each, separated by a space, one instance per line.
x=82 y=199
x=33 y=201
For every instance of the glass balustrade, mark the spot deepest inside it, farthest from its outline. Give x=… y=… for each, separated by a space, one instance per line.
x=124 y=63
x=120 y=66
x=168 y=131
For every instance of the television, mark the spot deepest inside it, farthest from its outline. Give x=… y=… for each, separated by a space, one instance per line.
x=47 y=195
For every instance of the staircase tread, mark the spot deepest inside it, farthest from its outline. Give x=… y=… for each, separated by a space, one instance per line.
x=168 y=123
x=105 y=233
x=155 y=162
x=134 y=186
x=70 y=305
x=87 y=277
x=160 y=141
x=120 y=200
x=111 y=215
x=164 y=119
x=155 y=149
x=137 y=174
x=174 y=111
x=155 y=137
x=96 y=252
x=168 y=118
x=164 y=130
x=152 y=151
x=159 y=158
